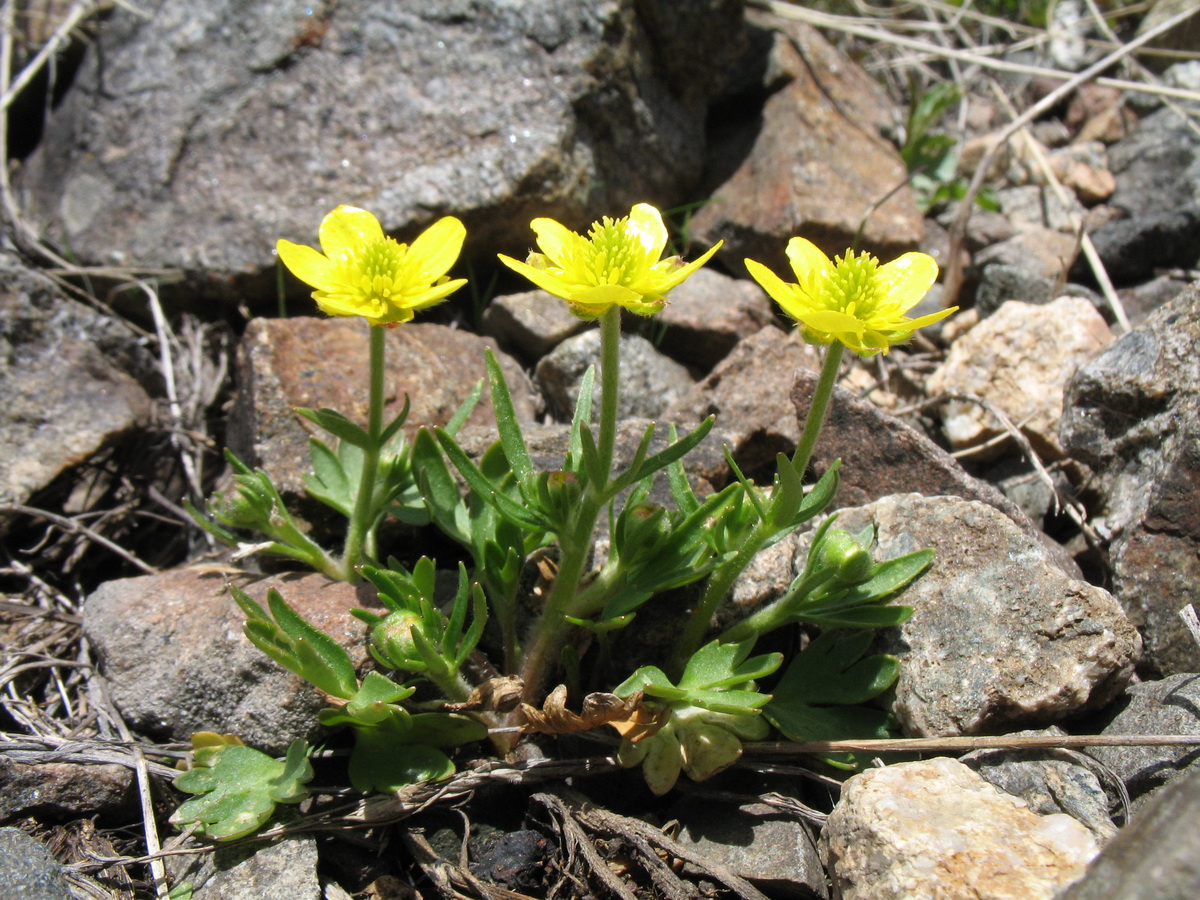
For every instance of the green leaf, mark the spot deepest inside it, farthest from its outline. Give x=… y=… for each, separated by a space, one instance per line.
x=395 y=425
x=583 y=415
x=506 y=421
x=382 y=761
x=327 y=482
x=717 y=665
x=296 y=645
x=817 y=696
x=239 y=789
x=442 y=729
x=488 y=490
x=337 y=425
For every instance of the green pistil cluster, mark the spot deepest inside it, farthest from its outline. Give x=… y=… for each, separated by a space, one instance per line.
x=852 y=284
x=611 y=252
x=379 y=268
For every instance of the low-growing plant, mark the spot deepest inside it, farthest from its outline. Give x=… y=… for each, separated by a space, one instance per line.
x=526 y=529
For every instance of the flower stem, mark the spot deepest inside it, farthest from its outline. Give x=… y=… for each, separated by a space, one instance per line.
x=723 y=578
x=363 y=519
x=575 y=544
x=816 y=409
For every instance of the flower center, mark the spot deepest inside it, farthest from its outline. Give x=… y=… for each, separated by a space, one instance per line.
x=377 y=267
x=852 y=287
x=611 y=254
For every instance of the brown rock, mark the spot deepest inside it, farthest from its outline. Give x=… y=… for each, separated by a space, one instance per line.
x=58 y=791
x=172 y=649
x=797 y=177
x=707 y=316
x=749 y=393
x=310 y=362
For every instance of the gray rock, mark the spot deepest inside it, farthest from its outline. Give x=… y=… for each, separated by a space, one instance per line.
x=781 y=169
x=531 y=323
x=254 y=871
x=172 y=649
x=650 y=381
x=1155 y=857
x=999 y=638
x=27 y=870
x=1133 y=415
x=196 y=136
x=67 y=385
x=1050 y=781
x=1170 y=706
x=1031 y=207
x=707 y=316
x=1018 y=359
x=56 y=791
x=773 y=850
x=323 y=362
x=1157 y=169
x=935 y=829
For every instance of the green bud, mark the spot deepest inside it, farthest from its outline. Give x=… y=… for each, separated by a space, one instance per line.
x=393 y=643
x=842 y=552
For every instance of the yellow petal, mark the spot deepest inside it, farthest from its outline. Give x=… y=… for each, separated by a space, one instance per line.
x=677 y=277
x=833 y=322
x=808 y=261
x=914 y=324
x=782 y=293
x=347 y=229
x=543 y=279
x=606 y=295
x=906 y=279
x=436 y=249
x=645 y=224
x=555 y=240
x=435 y=294
x=306 y=263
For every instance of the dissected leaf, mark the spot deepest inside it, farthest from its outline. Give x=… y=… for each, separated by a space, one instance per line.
x=238 y=790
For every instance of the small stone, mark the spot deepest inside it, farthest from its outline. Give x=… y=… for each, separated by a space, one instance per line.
x=28 y=871
x=253 y=871
x=58 y=791
x=707 y=316
x=1000 y=638
x=650 y=381
x=313 y=362
x=935 y=830
x=531 y=323
x=773 y=850
x=1155 y=857
x=1169 y=706
x=1019 y=359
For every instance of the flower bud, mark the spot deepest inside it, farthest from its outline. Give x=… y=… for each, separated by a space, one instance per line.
x=842 y=552
x=392 y=641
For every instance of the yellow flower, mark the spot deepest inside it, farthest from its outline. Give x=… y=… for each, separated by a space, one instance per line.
x=618 y=263
x=363 y=272
x=852 y=299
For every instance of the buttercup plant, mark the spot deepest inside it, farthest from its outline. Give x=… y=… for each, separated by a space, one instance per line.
x=688 y=713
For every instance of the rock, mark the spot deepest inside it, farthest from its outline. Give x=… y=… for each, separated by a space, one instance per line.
x=1049 y=781
x=1000 y=282
x=227 y=128
x=1155 y=857
x=935 y=829
x=708 y=314
x=1170 y=706
x=67 y=385
x=782 y=171
x=1141 y=300
x=773 y=850
x=57 y=791
x=882 y=455
x=530 y=323
x=252 y=871
x=1096 y=112
x=1183 y=36
x=172 y=649
x=749 y=392
x=999 y=638
x=1018 y=359
x=28 y=871
x=1032 y=206
x=650 y=382
x=1157 y=170
x=1042 y=252
x=1133 y=415
x=311 y=362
